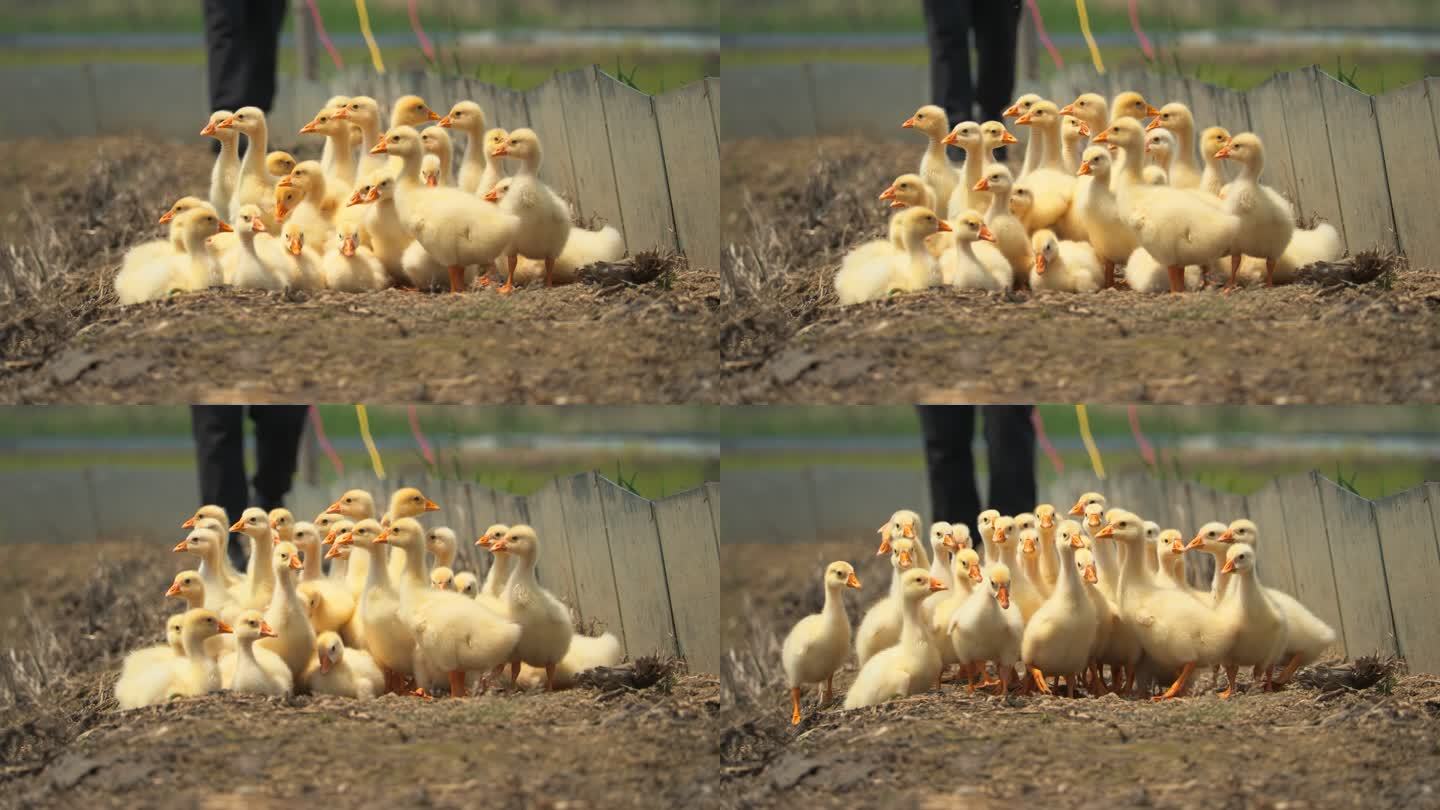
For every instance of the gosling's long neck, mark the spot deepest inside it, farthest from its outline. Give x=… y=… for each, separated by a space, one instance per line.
x=254 y=162
x=1250 y=171
x=498 y=576
x=912 y=629
x=1070 y=154
x=342 y=152
x=1067 y=584
x=1184 y=146
x=523 y=573
x=415 y=569
x=313 y=570
x=261 y=574
x=1049 y=555
x=229 y=157
x=1133 y=573
x=285 y=596
x=935 y=150
x=378 y=574
x=1051 y=137
x=1034 y=152
x=834 y=610
x=999 y=204
x=940 y=565
x=530 y=166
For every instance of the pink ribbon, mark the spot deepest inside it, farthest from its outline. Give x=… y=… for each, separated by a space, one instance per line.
x=325 y=39
x=1039 y=424
x=420 y=32
x=1146 y=450
x=1044 y=37
x=324 y=442
x=425 y=449
x=1135 y=26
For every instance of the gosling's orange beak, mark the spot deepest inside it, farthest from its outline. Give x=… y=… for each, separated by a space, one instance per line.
x=888 y=193
x=998 y=536
x=1154 y=122
x=1224 y=152
x=1177 y=547
x=499 y=545
x=1068 y=109
x=227 y=123
x=346 y=539
x=333 y=552
x=1197 y=543
x=189 y=524
x=258 y=226
x=1040 y=263
x=1006 y=137
x=1076 y=542
x=295 y=246
x=285 y=182
x=904 y=559
x=373 y=195
x=444 y=122
x=174 y=589
x=1108 y=530
x=948 y=541
x=975 y=572
x=1028 y=546
x=908 y=531
x=1150 y=110
x=347 y=246
x=1103 y=137
x=986 y=234
x=942 y=226
x=1090 y=575
x=432 y=181
x=1025 y=119
x=431 y=506
x=295 y=563
x=355 y=199
x=909 y=123
x=180 y=546
x=224 y=227
x=334 y=509
x=379 y=148
x=431 y=115
x=983 y=184
x=1011 y=111
x=225 y=628
x=239 y=525
x=167 y=216
x=500 y=151
x=484 y=540
x=936 y=585
x=1147 y=147
x=1228 y=567
x=950 y=139
x=1047 y=521
x=342 y=113
x=266 y=631
x=325 y=663
x=1084 y=168
x=1078 y=508
x=1003 y=597
x=384 y=537
x=853 y=581
x=1084 y=129
x=884 y=546
x=209 y=128
x=308 y=128
x=281 y=212
x=329 y=538
x=493 y=194
x=1227 y=536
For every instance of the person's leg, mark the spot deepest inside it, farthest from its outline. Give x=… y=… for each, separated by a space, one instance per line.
x=947 y=32
x=996 y=30
x=278 y=429
x=1010 y=448
x=227 y=52
x=948 y=431
x=266 y=18
x=219 y=433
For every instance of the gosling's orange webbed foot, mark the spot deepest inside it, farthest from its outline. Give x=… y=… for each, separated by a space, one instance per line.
x=483 y=281
x=420 y=692
x=506 y=288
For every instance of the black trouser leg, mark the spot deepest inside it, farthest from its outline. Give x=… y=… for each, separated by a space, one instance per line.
x=996 y=26
x=219 y=432
x=242 y=42
x=1010 y=448
x=947 y=32
x=949 y=431
x=278 y=429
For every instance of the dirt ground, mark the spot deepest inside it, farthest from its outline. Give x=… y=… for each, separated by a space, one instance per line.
x=640 y=333
x=793 y=208
x=1366 y=737
x=69 y=613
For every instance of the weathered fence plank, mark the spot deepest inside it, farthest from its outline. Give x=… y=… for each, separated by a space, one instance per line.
x=1360 y=571
x=547 y=114
x=683 y=521
x=694 y=179
x=1273 y=551
x=511 y=110
x=1407 y=527
x=1412 y=169
x=1358 y=158
x=1310 y=550
x=1310 y=147
x=712 y=498
x=712 y=89
x=547 y=518
x=640 y=570
x=590 y=145
x=1268 y=119
x=639 y=162
x=596 y=596
x=1234 y=111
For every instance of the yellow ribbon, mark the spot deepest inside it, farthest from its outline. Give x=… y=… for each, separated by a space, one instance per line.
x=1089 y=441
x=374 y=49
x=370 y=442
x=1089 y=38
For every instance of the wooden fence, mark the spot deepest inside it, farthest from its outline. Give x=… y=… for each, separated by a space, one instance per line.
x=1367 y=165
x=647 y=571
x=1369 y=568
x=648 y=165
